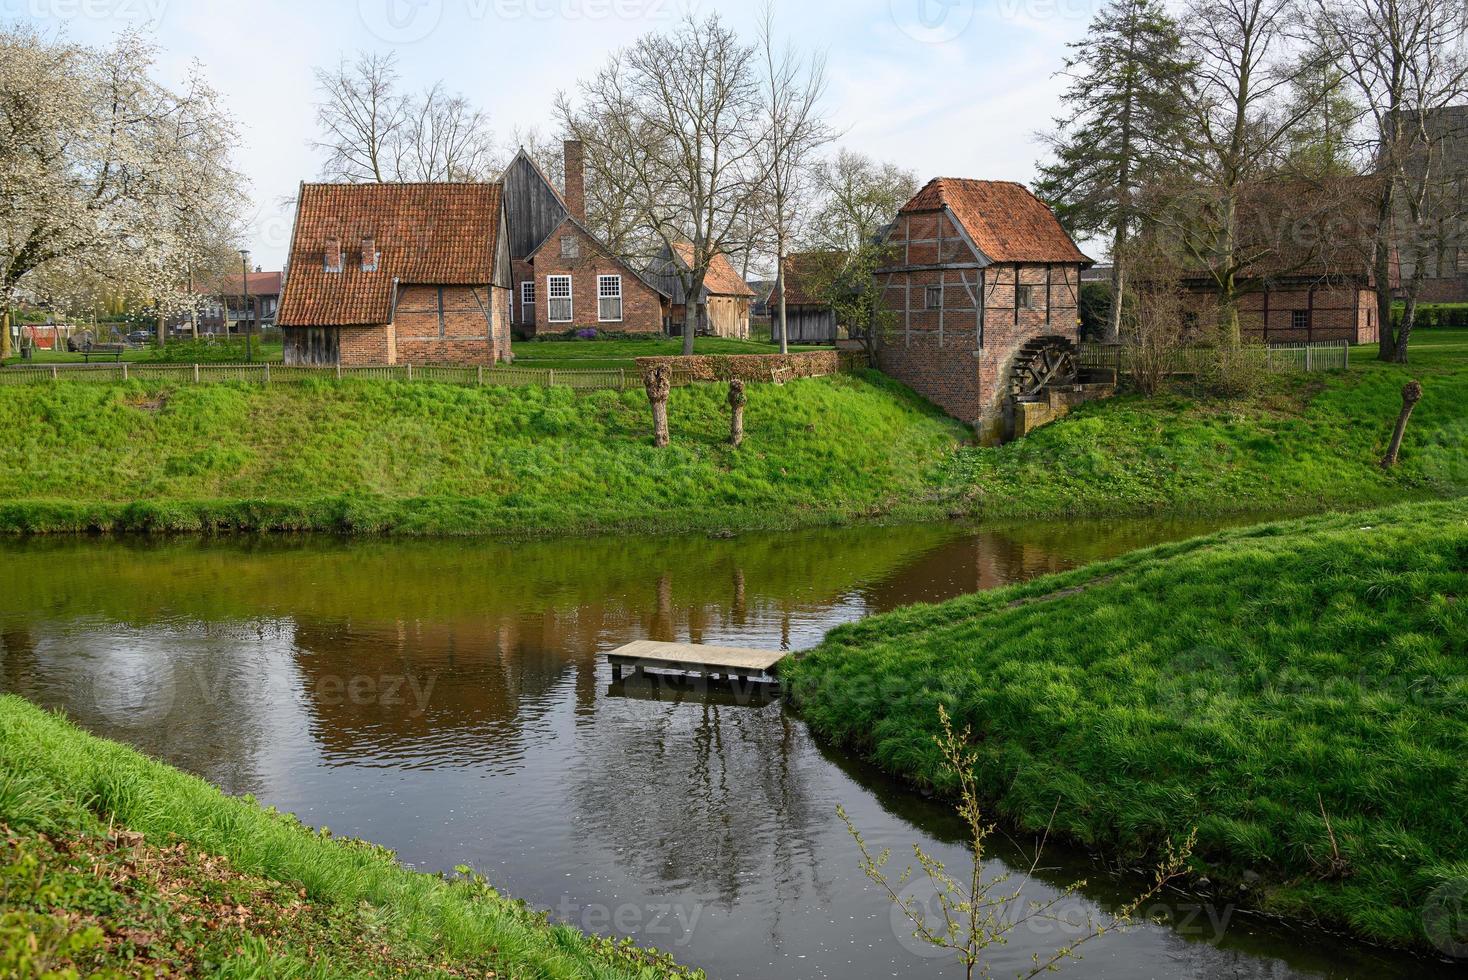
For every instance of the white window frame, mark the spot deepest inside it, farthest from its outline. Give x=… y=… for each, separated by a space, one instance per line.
x=551 y=282
x=527 y=306
x=602 y=295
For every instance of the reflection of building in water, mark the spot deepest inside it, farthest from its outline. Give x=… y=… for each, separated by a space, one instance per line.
x=986 y=560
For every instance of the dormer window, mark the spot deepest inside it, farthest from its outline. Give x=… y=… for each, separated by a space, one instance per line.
x=333 y=255
x=370 y=254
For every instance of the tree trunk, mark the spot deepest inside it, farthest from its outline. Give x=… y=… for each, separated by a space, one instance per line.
x=1118 y=281
x=737 y=400
x=1411 y=395
x=780 y=285
x=689 y=315
x=659 y=382
x=162 y=330
x=5 y=334
x=1382 y=261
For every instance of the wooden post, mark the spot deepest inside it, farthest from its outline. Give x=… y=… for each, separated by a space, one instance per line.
x=410 y=370
x=196 y=374
x=338 y=370
x=552 y=382
x=479 y=375
x=1308 y=349
x=55 y=375
x=124 y=370
x=267 y=372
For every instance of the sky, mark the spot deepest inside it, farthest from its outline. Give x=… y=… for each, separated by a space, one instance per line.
x=955 y=88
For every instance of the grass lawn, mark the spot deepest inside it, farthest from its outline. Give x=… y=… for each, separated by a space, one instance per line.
x=1308 y=441
x=112 y=865
x=176 y=352
x=1297 y=692
x=620 y=353
x=430 y=458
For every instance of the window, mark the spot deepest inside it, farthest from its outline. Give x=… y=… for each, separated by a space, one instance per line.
x=570 y=247
x=1300 y=319
x=558 y=299
x=609 y=298
x=1024 y=297
x=527 y=300
x=935 y=298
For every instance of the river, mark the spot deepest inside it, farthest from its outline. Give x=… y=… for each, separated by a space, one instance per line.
x=450 y=700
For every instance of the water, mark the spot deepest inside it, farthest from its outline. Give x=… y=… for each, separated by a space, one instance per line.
x=449 y=700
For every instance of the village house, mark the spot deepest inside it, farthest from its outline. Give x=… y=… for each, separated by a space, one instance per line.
x=1305 y=253
x=397 y=273
x=723 y=306
x=981 y=297
x=809 y=317
x=566 y=278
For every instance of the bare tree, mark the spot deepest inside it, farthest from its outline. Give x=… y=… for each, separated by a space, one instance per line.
x=114 y=182
x=673 y=125
x=795 y=130
x=1404 y=59
x=362 y=117
x=446 y=139
x=1247 y=104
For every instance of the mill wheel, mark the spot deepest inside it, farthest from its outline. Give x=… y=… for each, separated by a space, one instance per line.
x=1042 y=363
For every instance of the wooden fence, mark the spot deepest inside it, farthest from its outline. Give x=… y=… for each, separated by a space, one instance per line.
x=1332 y=355
x=581 y=379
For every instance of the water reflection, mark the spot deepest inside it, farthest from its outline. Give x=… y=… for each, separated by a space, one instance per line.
x=448 y=699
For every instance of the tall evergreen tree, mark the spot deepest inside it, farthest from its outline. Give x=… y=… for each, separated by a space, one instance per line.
x=1128 y=90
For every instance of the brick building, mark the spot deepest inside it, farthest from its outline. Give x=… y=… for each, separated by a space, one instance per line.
x=397 y=273
x=723 y=306
x=565 y=277
x=981 y=275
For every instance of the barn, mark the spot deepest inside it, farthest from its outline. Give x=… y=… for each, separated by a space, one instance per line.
x=981 y=298
x=808 y=315
x=723 y=308
x=397 y=273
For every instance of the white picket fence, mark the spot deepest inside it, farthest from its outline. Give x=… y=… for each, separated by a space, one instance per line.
x=1334 y=355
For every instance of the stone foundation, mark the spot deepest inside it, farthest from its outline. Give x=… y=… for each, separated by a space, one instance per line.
x=1023 y=417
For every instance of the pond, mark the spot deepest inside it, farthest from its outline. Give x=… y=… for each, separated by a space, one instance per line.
x=451 y=700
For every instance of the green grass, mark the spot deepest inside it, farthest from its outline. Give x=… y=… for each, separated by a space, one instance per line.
x=1296 y=692
x=1308 y=441
x=175 y=352
x=430 y=458
x=621 y=352
x=423 y=458
x=110 y=861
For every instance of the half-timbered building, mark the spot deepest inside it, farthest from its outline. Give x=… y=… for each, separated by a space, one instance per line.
x=982 y=288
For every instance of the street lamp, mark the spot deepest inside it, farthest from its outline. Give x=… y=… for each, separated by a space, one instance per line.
x=245 y=308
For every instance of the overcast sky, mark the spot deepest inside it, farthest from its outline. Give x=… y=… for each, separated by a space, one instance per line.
x=944 y=87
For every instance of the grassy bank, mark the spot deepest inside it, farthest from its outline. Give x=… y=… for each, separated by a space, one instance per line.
x=422 y=458
x=1298 y=692
x=1305 y=441
x=110 y=861
x=428 y=458
x=621 y=352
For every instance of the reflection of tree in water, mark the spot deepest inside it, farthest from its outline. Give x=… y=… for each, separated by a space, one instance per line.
x=706 y=796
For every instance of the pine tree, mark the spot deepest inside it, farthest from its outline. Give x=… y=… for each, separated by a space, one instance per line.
x=1126 y=99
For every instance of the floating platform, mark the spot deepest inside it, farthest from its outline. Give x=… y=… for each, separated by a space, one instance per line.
x=697 y=658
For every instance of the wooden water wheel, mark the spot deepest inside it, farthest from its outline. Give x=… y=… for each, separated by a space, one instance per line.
x=1043 y=363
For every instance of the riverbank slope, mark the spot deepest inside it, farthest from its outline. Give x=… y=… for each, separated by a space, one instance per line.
x=423 y=458
x=1297 y=692
x=112 y=861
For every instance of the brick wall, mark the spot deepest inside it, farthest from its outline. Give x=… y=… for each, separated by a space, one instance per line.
x=642 y=306
x=1324 y=313
x=447 y=325
x=933 y=342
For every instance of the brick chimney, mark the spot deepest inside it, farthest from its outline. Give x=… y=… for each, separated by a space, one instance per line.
x=575 y=180
x=369 y=254
x=333 y=255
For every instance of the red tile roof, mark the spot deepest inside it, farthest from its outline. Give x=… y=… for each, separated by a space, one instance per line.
x=429 y=234
x=261 y=284
x=721 y=279
x=802 y=272
x=1005 y=221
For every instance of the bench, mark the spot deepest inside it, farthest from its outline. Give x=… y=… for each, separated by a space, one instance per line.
x=102 y=350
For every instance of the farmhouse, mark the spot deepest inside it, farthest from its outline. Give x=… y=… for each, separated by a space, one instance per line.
x=981 y=296
x=809 y=316
x=566 y=278
x=397 y=273
x=722 y=308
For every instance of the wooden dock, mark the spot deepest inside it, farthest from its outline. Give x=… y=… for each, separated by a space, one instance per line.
x=697 y=658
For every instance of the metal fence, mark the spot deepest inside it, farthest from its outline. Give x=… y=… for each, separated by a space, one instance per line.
x=581 y=379
x=1334 y=355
